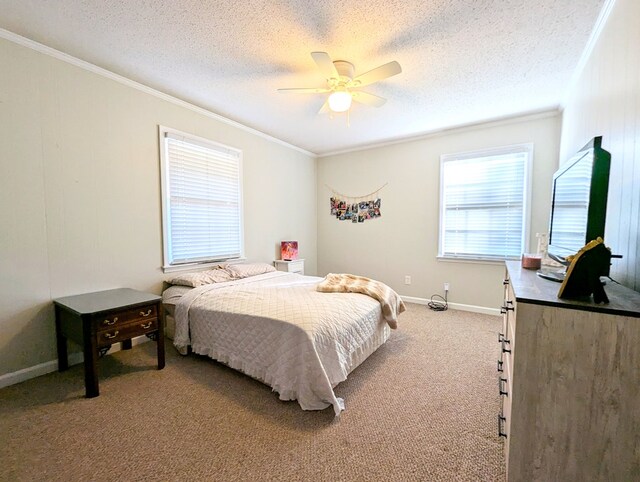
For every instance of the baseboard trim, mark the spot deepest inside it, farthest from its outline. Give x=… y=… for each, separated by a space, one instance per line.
x=455 y=306
x=51 y=366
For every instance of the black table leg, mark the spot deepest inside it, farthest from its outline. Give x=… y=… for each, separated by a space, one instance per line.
x=61 y=342
x=160 y=337
x=90 y=352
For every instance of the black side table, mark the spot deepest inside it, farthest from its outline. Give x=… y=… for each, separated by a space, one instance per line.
x=97 y=320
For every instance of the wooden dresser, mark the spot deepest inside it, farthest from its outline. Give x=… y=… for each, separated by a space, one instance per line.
x=569 y=380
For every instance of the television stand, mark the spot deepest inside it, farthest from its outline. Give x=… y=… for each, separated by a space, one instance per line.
x=557 y=276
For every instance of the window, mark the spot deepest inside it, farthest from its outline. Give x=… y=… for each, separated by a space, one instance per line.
x=201 y=200
x=484 y=208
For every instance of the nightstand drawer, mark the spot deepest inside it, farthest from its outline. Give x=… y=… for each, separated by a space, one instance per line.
x=294 y=266
x=126 y=332
x=119 y=318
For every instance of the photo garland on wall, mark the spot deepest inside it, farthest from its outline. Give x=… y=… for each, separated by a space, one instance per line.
x=356 y=209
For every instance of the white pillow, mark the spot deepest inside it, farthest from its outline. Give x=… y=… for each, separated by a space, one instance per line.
x=201 y=278
x=244 y=270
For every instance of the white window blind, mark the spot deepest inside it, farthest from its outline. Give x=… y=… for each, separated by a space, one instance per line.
x=202 y=200
x=484 y=204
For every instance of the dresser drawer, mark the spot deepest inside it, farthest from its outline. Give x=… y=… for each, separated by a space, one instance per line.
x=107 y=321
x=126 y=332
x=508 y=310
x=508 y=368
x=511 y=314
x=504 y=426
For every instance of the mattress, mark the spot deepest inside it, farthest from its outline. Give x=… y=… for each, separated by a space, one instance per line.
x=277 y=328
x=170 y=298
x=172 y=295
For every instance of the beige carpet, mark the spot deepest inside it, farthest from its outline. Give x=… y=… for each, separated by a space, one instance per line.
x=422 y=407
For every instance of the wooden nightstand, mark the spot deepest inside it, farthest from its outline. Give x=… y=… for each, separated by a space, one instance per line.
x=295 y=266
x=97 y=320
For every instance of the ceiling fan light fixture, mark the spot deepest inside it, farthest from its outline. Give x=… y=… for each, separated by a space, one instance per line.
x=339 y=75
x=340 y=101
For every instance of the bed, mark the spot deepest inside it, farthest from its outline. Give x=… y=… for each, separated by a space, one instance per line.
x=276 y=327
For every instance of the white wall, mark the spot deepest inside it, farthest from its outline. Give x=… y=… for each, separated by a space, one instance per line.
x=606 y=102
x=404 y=241
x=80 y=192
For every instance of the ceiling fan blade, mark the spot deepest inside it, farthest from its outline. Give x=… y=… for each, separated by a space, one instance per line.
x=379 y=73
x=368 y=99
x=325 y=108
x=304 y=91
x=325 y=65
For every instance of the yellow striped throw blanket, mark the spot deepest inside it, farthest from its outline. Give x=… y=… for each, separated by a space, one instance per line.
x=389 y=300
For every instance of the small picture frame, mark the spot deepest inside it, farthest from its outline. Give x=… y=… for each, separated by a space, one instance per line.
x=288 y=250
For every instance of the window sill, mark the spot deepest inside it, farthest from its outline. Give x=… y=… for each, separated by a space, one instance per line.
x=199 y=266
x=492 y=261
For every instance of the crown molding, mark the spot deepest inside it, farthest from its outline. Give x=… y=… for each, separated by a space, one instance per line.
x=43 y=49
x=588 y=50
x=460 y=128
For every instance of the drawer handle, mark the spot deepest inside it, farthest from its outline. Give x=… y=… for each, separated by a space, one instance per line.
x=109 y=335
x=142 y=313
x=505 y=282
x=504 y=350
x=112 y=322
x=502 y=339
x=147 y=325
x=505 y=308
x=501 y=420
x=501 y=381
x=500 y=369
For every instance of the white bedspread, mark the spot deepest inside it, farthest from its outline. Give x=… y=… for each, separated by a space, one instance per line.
x=277 y=328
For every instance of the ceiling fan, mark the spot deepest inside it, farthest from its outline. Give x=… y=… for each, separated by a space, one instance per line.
x=343 y=86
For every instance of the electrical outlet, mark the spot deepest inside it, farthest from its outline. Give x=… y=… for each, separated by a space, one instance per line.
x=446 y=286
x=407 y=280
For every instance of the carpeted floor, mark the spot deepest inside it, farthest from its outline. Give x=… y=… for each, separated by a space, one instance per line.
x=423 y=407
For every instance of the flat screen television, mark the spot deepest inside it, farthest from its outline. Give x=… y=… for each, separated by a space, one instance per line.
x=579 y=201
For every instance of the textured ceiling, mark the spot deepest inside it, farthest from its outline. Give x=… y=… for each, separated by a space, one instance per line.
x=463 y=60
